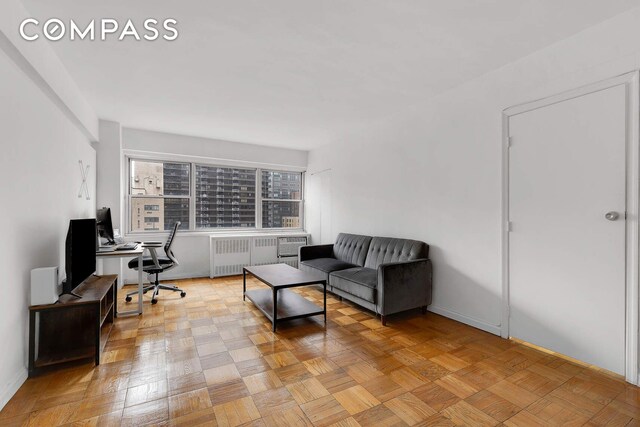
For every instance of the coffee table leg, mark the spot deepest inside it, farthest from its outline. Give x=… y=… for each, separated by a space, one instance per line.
x=325 y=302
x=244 y=284
x=275 y=308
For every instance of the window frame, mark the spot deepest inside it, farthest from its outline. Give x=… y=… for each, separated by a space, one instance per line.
x=193 y=161
x=300 y=201
x=131 y=196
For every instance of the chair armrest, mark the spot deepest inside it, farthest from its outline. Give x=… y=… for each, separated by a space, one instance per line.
x=404 y=285
x=152 y=244
x=151 y=247
x=306 y=253
x=154 y=255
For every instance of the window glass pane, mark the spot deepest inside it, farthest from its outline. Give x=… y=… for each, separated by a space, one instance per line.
x=225 y=197
x=280 y=214
x=158 y=214
x=176 y=209
x=281 y=185
x=176 y=179
x=159 y=179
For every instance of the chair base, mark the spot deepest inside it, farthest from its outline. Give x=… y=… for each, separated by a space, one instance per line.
x=156 y=290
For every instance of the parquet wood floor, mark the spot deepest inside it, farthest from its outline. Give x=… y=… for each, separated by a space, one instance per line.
x=211 y=359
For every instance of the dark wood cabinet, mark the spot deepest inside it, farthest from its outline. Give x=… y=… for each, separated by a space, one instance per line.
x=73 y=329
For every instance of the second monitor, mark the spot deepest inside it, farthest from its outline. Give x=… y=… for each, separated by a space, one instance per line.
x=105 y=226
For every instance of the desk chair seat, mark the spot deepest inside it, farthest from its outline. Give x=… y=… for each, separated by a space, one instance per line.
x=155 y=265
x=149 y=265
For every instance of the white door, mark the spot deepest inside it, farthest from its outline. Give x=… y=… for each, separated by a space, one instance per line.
x=566 y=260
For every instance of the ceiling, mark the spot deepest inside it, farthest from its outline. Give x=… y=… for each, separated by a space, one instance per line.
x=300 y=73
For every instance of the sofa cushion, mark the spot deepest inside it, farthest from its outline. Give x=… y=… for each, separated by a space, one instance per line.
x=324 y=265
x=360 y=282
x=383 y=250
x=351 y=248
x=327 y=264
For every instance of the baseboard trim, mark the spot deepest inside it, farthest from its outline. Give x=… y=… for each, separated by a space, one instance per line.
x=494 y=329
x=12 y=387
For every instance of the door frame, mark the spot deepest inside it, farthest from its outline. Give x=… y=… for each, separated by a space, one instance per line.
x=632 y=239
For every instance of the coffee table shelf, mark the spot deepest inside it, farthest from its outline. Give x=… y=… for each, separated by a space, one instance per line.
x=288 y=304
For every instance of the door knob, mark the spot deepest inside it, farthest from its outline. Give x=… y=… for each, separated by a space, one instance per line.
x=612 y=216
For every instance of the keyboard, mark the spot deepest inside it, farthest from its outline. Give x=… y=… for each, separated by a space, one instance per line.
x=127 y=246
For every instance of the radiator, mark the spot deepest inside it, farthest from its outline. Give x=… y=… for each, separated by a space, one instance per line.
x=264 y=250
x=229 y=255
x=293 y=261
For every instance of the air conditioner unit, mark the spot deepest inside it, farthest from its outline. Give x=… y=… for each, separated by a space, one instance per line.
x=288 y=246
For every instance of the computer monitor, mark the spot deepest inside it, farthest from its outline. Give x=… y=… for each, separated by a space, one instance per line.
x=105 y=226
x=80 y=253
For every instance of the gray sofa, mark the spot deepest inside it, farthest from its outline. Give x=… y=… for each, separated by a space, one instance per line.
x=382 y=274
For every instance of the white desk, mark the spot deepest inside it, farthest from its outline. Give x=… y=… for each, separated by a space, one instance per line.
x=138 y=252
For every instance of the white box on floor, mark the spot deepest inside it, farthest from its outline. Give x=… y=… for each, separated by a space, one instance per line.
x=44 y=285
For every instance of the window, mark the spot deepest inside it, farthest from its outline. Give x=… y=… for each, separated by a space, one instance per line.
x=281 y=199
x=159 y=194
x=209 y=197
x=225 y=197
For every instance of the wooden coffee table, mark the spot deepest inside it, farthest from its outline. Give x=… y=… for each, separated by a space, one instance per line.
x=279 y=303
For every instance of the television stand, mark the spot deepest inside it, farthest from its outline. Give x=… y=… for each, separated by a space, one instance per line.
x=72 y=330
x=68 y=293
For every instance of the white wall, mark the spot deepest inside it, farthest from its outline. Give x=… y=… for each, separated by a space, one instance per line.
x=108 y=151
x=108 y=171
x=40 y=178
x=42 y=65
x=160 y=142
x=191 y=249
x=46 y=127
x=432 y=172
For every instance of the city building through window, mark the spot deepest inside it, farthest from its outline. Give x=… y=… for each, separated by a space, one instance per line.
x=219 y=197
x=225 y=197
x=281 y=199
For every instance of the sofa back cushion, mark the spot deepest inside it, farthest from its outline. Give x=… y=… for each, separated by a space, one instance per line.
x=351 y=248
x=383 y=250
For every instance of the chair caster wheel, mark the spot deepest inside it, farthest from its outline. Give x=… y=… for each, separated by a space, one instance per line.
x=183 y=294
x=154 y=301
x=128 y=299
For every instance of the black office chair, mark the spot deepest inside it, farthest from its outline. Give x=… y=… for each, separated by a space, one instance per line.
x=156 y=265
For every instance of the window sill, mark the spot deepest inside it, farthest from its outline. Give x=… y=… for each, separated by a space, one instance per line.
x=158 y=235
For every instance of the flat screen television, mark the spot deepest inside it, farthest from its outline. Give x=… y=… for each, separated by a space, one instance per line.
x=105 y=226
x=80 y=253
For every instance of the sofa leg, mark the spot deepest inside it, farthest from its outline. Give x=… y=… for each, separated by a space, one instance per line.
x=340 y=298
x=423 y=309
x=384 y=320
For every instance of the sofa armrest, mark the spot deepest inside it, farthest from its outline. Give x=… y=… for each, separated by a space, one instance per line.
x=404 y=285
x=306 y=253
